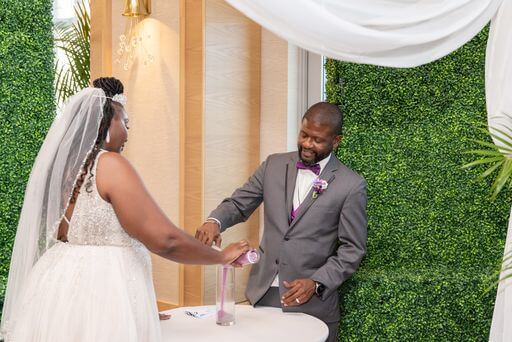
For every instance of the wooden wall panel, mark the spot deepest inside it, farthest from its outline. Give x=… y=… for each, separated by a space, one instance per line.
x=274 y=94
x=191 y=137
x=203 y=116
x=231 y=122
x=101 y=38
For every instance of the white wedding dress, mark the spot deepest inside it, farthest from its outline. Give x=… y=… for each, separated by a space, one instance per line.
x=96 y=287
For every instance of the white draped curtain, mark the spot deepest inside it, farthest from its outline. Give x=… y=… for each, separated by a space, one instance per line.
x=405 y=33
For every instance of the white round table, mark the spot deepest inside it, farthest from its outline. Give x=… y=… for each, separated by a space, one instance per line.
x=251 y=324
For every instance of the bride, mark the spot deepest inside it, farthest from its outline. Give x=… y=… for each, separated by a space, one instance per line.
x=80 y=268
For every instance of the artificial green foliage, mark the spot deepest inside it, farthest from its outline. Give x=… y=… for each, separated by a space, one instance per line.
x=26 y=107
x=434 y=234
x=416 y=305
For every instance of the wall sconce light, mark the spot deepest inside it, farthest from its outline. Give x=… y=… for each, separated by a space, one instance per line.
x=136 y=8
x=132 y=41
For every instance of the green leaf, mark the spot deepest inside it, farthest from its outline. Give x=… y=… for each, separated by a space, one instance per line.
x=491 y=145
x=507 y=141
x=483 y=161
x=491 y=169
x=74 y=41
x=502 y=178
x=485 y=153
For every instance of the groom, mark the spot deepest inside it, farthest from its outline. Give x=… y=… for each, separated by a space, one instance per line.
x=315 y=221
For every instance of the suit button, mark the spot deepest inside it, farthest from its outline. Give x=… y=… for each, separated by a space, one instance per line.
x=286 y=238
x=277 y=261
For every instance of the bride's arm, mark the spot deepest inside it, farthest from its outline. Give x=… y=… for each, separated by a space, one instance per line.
x=118 y=183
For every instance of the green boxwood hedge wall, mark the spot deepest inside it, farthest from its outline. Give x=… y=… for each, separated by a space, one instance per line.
x=26 y=107
x=434 y=235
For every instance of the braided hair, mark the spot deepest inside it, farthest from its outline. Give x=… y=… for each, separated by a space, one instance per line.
x=111 y=86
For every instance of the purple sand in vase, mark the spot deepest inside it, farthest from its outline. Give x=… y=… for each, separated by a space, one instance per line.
x=250 y=257
x=225 y=319
x=223 y=290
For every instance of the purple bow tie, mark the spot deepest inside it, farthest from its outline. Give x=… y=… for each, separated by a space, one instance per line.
x=315 y=168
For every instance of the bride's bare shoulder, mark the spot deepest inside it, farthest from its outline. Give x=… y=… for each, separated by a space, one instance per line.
x=114 y=171
x=113 y=162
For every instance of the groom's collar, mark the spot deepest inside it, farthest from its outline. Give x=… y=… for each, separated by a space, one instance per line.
x=331 y=163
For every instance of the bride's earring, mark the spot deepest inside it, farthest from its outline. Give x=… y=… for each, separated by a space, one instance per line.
x=107 y=139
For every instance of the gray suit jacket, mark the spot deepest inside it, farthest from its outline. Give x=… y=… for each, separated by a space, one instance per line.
x=325 y=242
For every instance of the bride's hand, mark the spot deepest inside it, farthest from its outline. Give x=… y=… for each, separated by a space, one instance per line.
x=233 y=251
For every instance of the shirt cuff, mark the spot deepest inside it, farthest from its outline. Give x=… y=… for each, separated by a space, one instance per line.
x=213 y=219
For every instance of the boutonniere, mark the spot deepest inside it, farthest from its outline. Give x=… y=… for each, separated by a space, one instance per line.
x=319 y=186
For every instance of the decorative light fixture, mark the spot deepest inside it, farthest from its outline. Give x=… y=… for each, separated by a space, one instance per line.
x=132 y=42
x=137 y=8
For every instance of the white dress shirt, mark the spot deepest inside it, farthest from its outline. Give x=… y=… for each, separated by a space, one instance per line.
x=303 y=185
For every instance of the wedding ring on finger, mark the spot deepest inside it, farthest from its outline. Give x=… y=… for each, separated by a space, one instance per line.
x=297 y=300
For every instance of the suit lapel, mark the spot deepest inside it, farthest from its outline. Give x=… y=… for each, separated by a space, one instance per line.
x=328 y=174
x=291 y=178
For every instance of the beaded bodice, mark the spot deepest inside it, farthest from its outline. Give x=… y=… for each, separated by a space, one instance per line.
x=94 y=221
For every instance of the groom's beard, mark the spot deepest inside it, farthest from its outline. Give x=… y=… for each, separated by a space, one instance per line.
x=314 y=157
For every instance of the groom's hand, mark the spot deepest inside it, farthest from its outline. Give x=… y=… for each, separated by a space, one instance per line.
x=299 y=292
x=209 y=233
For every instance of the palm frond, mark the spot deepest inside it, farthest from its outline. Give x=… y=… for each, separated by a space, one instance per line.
x=502 y=178
x=497 y=158
x=491 y=145
x=74 y=40
x=503 y=137
x=491 y=169
x=483 y=161
x=502 y=272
